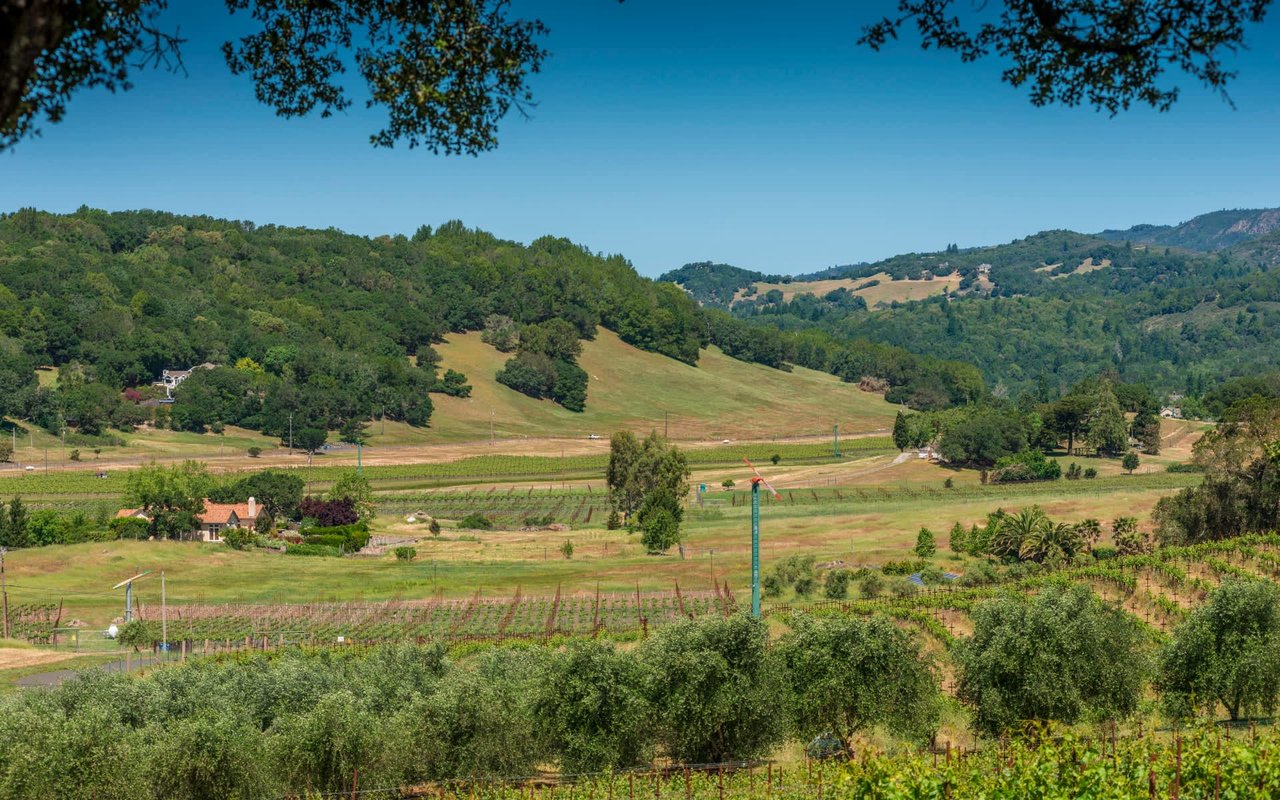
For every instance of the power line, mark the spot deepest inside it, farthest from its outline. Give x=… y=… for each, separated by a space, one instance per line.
x=46 y=590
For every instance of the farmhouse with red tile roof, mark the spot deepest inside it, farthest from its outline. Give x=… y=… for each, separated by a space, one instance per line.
x=215 y=518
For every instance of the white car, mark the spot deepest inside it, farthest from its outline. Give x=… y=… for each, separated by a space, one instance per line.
x=593 y=436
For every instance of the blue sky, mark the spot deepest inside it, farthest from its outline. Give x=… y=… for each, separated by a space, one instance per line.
x=751 y=133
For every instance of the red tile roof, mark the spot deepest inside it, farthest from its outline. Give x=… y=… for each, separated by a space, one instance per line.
x=220 y=513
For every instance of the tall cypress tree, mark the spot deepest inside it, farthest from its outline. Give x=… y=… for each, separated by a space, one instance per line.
x=901 y=432
x=15 y=523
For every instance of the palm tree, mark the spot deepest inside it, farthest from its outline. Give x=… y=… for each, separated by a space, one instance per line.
x=1090 y=531
x=1015 y=529
x=1051 y=543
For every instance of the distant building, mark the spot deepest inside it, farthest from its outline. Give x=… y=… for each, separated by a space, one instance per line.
x=1171 y=412
x=214 y=519
x=171 y=379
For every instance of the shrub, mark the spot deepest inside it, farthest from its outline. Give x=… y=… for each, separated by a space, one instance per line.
x=872 y=585
x=329 y=513
x=614 y=521
x=238 y=538
x=475 y=521
x=405 y=553
x=1029 y=465
x=1130 y=462
x=311 y=550
x=727 y=483
x=566 y=549
x=980 y=574
x=75 y=455
x=135 y=634
x=343 y=538
x=1090 y=473
x=949 y=483
x=901 y=587
x=128 y=528
x=836 y=584
x=434 y=527
x=904 y=567
x=254 y=451
x=795 y=571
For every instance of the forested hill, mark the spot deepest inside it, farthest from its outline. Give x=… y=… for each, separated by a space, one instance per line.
x=1044 y=312
x=714 y=285
x=1212 y=231
x=333 y=329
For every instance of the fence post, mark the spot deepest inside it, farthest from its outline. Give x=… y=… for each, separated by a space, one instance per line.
x=1177 y=768
x=1151 y=777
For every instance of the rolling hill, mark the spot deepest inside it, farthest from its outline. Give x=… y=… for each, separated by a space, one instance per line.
x=1213 y=231
x=720 y=398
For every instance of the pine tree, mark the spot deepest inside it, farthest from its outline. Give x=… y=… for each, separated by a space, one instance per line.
x=1146 y=429
x=926 y=544
x=959 y=538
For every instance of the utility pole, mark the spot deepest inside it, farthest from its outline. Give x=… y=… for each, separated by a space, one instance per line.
x=836 y=440
x=755 y=548
x=164 y=615
x=290 y=431
x=665 y=426
x=713 y=568
x=4 y=592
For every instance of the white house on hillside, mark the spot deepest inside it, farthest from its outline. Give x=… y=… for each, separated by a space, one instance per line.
x=171 y=379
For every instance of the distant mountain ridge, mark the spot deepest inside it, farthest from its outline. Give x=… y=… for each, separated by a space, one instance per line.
x=1179 y=307
x=1216 y=230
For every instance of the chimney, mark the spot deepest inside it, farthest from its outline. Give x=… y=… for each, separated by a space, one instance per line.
x=253 y=508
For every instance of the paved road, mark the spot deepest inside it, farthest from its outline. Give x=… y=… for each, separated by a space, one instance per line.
x=57 y=676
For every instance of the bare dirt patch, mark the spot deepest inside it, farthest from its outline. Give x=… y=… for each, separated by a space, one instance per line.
x=21 y=658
